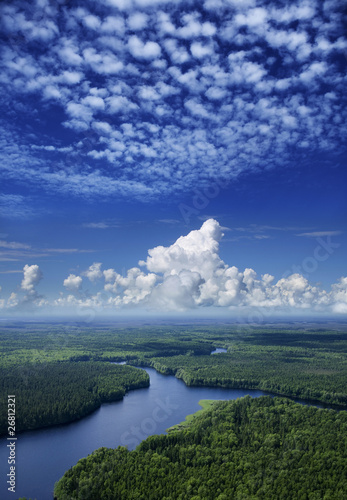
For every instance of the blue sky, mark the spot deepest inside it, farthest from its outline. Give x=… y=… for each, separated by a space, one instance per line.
x=126 y=125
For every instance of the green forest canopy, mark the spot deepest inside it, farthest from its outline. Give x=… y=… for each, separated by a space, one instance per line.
x=262 y=448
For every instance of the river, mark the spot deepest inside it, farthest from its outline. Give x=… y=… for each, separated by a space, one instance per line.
x=42 y=456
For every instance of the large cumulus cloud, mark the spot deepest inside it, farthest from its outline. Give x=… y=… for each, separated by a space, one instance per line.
x=190 y=274
x=187 y=275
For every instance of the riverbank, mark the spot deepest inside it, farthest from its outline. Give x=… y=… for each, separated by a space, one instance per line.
x=59 y=393
x=249 y=448
x=206 y=404
x=45 y=455
x=317 y=374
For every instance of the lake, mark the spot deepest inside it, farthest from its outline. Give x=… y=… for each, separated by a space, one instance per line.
x=42 y=456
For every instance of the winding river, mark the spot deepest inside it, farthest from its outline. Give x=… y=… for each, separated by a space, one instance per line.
x=43 y=456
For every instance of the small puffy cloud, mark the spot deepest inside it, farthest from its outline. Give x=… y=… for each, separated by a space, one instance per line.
x=69 y=54
x=104 y=63
x=94 y=272
x=13 y=300
x=94 y=102
x=137 y=21
x=103 y=128
x=119 y=103
x=32 y=276
x=315 y=69
x=71 y=77
x=110 y=275
x=73 y=282
x=92 y=22
x=149 y=93
x=196 y=108
x=215 y=93
x=131 y=289
x=253 y=18
x=200 y=51
x=113 y=24
x=140 y=50
x=79 y=111
x=247 y=72
x=339 y=294
x=178 y=53
x=51 y=92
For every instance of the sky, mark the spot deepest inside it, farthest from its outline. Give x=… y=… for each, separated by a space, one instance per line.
x=173 y=157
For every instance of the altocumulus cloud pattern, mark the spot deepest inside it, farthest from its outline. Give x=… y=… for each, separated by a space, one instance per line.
x=146 y=98
x=189 y=274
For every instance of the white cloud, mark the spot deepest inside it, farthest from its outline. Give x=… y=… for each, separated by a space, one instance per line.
x=13 y=300
x=102 y=127
x=178 y=53
x=317 y=234
x=13 y=245
x=339 y=292
x=94 y=272
x=71 y=77
x=196 y=108
x=97 y=225
x=14 y=205
x=215 y=93
x=180 y=65
x=196 y=252
x=194 y=275
x=73 y=282
x=32 y=276
x=149 y=93
x=94 y=102
x=52 y=92
x=140 y=50
x=104 y=63
x=117 y=103
x=315 y=69
x=176 y=293
x=189 y=274
x=306 y=10
x=200 y=51
x=69 y=54
x=247 y=72
x=113 y=24
x=191 y=29
x=79 y=111
x=253 y=18
x=137 y=21
x=92 y=22
x=208 y=29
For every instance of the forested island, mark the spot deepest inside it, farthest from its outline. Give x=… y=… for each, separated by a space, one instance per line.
x=263 y=448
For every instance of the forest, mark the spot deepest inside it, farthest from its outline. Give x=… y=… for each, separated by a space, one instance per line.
x=263 y=448
x=60 y=392
x=61 y=372
x=304 y=373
